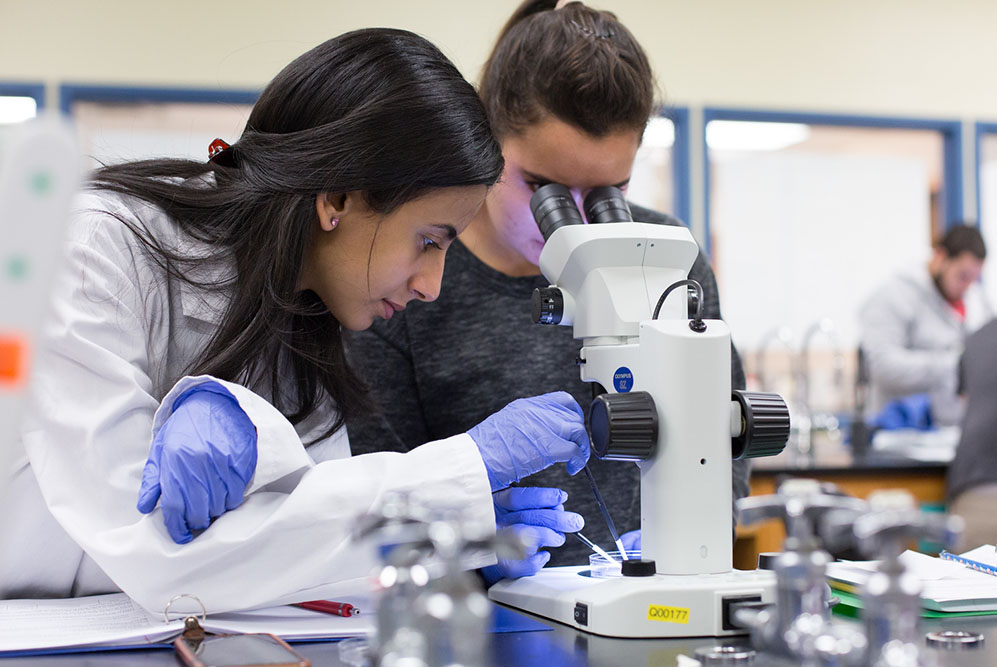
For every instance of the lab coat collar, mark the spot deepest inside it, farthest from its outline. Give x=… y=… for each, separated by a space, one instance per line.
x=205 y=266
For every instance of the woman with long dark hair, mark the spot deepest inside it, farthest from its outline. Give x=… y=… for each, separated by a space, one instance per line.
x=568 y=91
x=204 y=302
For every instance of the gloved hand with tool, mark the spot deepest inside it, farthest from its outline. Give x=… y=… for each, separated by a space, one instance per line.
x=200 y=462
x=537 y=514
x=531 y=434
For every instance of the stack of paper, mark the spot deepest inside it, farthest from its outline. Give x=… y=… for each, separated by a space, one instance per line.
x=105 y=622
x=947 y=586
x=935 y=446
x=116 y=621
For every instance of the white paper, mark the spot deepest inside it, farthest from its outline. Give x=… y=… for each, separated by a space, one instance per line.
x=946 y=585
x=987 y=554
x=102 y=620
x=926 y=568
x=115 y=620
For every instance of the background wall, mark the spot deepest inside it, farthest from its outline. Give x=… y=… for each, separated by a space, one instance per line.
x=905 y=58
x=899 y=57
x=880 y=57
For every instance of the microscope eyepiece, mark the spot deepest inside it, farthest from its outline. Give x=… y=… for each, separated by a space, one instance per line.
x=607 y=204
x=553 y=207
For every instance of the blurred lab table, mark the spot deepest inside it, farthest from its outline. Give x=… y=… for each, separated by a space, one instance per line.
x=830 y=461
x=562 y=646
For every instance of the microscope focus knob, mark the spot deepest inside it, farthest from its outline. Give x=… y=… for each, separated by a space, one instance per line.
x=547 y=305
x=763 y=427
x=624 y=427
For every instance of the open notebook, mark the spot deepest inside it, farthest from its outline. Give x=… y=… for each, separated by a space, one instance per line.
x=947 y=585
x=115 y=621
x=108 y=622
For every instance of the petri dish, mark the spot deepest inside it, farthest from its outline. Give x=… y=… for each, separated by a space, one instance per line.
x=600 y=567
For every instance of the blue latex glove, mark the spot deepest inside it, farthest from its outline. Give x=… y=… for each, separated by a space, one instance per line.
x=538 y=515
x=200 y=462
x=631 y=540
x=906 y=412
x=531 y=434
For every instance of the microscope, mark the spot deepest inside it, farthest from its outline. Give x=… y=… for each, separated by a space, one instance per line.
x=668 y=407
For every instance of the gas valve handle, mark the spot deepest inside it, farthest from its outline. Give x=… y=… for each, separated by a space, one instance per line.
x=894 y=520
x=800 y=503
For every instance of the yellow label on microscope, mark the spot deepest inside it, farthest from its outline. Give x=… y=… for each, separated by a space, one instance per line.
x=656 y=612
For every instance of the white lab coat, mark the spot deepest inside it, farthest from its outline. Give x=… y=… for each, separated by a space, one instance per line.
x=913 y=339
x=119 y=341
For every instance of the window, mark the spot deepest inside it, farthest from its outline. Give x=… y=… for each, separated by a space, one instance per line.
x=120 y=124
x=986 y=189
x=18 y=103
x=806 y=215
x=660 y=175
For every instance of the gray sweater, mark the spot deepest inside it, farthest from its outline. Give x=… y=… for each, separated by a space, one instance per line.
x=912 y=339
x=437 y=369
x=976 y=456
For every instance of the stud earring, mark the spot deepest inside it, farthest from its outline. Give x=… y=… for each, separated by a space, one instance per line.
x=334 y=222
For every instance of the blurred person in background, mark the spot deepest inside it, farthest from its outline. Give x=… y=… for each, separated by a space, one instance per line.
x=912 y=331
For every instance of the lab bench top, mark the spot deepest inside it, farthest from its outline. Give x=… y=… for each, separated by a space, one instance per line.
x=563 y=646
x=829 y=456
x=858 y=476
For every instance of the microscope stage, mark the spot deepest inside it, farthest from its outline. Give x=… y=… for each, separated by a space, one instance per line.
x=656 y=606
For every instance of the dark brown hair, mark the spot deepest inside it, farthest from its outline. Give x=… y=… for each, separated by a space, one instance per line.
x=379 y=111
x=576 y=63
x=963 y=238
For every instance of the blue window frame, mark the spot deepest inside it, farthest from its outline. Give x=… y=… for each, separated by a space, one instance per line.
x=982 y=130
x=70 y=93
x=950 y=130
x=680 y=162
x=117 y=123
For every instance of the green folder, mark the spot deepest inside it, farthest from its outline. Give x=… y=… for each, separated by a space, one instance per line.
x=851 y=605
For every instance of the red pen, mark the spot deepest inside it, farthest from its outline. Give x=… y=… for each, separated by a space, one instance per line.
x=330 y=607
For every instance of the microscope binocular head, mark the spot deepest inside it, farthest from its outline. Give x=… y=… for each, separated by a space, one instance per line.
x=553 y=206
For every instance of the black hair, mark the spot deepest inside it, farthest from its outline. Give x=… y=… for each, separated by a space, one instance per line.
x=963 y=238
x=578 y=64
x=378 y=111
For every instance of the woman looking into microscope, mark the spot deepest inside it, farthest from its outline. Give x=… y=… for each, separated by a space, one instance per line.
x=569 y=91
x=205 y=302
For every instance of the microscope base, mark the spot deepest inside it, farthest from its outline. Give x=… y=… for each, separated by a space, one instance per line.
x=650 y=607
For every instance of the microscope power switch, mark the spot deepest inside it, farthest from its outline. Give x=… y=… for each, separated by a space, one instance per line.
x=623 y=427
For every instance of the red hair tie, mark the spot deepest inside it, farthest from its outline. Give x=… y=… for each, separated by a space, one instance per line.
x=216 y=148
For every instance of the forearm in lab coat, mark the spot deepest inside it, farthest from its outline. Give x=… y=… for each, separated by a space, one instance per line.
x=276 y=547
x=89 y=439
